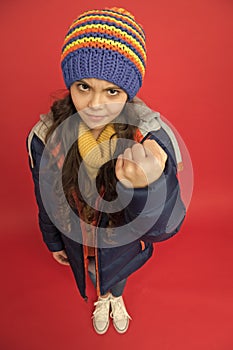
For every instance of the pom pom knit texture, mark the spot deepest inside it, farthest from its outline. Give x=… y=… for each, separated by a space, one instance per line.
x=105 y=44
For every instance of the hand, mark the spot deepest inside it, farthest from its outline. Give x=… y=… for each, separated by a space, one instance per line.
x=61 y=257
x=141 y=164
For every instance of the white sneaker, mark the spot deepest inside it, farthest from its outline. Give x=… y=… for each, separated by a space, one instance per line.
x=101 y=315
x=119 y=314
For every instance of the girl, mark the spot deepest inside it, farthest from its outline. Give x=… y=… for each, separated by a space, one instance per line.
x=104 y=168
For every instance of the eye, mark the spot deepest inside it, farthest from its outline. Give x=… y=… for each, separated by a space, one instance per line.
x=83 y=87
x=113 y=92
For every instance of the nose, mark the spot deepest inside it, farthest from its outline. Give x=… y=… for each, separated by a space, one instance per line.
x=96 y=101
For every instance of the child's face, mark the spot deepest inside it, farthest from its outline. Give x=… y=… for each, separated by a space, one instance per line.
x=98 y=102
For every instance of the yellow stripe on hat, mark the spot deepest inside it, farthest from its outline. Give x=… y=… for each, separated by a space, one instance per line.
x=111 y=30
x=140 y=35
x=113 y=13
x=104 y=44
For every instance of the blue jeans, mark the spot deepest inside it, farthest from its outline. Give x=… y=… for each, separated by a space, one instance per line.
x=116 y=290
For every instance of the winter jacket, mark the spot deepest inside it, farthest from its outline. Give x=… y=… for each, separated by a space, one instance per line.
x=163 y=218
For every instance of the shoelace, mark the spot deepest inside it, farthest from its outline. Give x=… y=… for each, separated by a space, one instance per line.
x=102 y=309
x=118 y=310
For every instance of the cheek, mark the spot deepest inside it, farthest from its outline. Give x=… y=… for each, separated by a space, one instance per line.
x=114 y=109
x=79 y=105
x=79 y=102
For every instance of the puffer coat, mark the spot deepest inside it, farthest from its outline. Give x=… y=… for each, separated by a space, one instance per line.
x=153 y=214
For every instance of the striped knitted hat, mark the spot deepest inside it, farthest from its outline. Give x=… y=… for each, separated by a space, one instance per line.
x=106 y=44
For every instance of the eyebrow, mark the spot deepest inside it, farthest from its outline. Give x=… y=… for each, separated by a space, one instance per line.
x=115 y=87
x=82 y=81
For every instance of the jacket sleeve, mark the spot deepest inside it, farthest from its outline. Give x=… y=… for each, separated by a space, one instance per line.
x=51 y=235
x=155 y=213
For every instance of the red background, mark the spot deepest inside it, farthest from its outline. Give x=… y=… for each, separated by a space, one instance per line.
x=181 y=299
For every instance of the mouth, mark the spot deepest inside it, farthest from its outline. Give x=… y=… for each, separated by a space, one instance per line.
x=95 y=118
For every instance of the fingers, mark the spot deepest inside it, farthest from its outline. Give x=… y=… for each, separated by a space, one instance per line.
x=120 y=171
x=138 y=152
x=119 y=165
x=152 y=148
x=141 y=164
x=128 y=154
x=61 y=257
x=135 y=153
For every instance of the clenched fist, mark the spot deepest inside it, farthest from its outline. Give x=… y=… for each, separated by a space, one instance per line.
x=141 y=164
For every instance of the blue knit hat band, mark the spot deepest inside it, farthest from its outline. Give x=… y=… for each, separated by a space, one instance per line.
x=102 y=64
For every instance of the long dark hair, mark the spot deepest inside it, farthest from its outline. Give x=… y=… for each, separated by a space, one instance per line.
x=106 y=178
